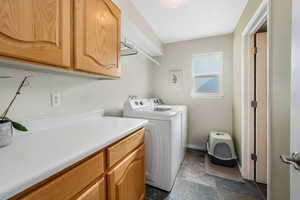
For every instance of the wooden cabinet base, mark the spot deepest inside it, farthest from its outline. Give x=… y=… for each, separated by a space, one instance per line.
x=93 y=179
x=95 y=192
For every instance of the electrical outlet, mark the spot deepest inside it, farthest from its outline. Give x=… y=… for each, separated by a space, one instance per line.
x=55 y=99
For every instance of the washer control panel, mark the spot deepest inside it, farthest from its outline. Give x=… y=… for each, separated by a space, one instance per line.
x=139 y=103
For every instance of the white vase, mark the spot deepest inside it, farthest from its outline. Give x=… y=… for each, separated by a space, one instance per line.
x=6 y=133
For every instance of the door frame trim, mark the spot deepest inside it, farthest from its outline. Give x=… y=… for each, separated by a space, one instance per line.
x=261 y=15
x=295 y=61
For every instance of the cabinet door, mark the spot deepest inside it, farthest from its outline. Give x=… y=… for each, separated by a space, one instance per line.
x=97 y=37
x=126 y=181
x=95 y=192
x=36 y=31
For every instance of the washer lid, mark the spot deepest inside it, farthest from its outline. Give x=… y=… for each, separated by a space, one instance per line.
x=151 y=113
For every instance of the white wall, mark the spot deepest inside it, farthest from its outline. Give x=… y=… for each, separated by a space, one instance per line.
x=204 y=115
x=281 y=18
x=81 y=94
x=237 y=62
x=280 y=68
x=78 y=94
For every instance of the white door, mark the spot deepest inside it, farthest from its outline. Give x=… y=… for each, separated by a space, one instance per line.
x=295 y=103
x=261 y=110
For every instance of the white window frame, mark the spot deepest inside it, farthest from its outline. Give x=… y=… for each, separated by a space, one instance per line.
x=202 y=95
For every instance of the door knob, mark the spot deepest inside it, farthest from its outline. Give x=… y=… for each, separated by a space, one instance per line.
x=294 y=160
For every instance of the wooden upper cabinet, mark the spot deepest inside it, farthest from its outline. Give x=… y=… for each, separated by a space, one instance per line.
x=97 y=37
x=36 y=31
x=126 y=181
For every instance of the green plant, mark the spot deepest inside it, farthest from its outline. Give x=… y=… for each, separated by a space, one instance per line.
x=4 y=118
x=16 y=125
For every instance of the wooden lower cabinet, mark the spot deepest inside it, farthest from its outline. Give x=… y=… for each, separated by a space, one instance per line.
x=94 y=178
x=95 y=192
x=126 y=180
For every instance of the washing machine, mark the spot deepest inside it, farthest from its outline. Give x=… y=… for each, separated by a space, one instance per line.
x=162 y=141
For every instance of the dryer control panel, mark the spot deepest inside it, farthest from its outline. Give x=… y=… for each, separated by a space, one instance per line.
x=156 y=101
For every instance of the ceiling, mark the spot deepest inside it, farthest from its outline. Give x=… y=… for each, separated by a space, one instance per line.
x=178 y=20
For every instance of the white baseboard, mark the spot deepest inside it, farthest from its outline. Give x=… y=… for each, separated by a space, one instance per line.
x=196 y=147
x=240 y=168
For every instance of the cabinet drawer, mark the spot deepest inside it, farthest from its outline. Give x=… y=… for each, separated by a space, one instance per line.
x=70 y=183
x=121 y=149
x=95 y=192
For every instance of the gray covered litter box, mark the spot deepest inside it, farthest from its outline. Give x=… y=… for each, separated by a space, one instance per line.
x=220 y=149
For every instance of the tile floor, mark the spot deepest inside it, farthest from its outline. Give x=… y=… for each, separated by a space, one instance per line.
x=192 y=183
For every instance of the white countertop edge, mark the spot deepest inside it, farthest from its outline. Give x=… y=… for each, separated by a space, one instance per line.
x=40 y=177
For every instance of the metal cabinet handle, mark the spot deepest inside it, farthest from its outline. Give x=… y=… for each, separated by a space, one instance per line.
x=294 y=160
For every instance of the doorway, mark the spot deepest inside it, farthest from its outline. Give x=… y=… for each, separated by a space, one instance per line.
x=258 y=110
x=259 y=104
x=255 y=133
x=255 y=145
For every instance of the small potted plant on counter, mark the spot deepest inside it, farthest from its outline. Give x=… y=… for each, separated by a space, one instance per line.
x=6 y=124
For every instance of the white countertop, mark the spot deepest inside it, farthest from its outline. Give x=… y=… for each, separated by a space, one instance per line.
x=35 y=156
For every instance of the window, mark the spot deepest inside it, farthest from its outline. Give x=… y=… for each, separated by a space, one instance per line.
x=207 y=75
